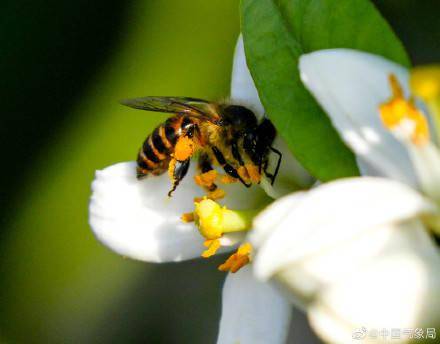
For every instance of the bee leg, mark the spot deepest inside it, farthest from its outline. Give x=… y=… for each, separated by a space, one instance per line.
x=205 y=166
x=229 y=169
x=179 y=172
x=277 y=168
x=236 y=153
x=269 y=175
x=250 y=171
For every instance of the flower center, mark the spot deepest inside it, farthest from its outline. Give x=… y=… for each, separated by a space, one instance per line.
x=214 y=221
x=402 y=117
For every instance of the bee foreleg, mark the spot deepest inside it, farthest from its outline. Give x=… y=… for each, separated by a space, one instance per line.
x=277 y=168
x=179 y=172
x=229 y=169
x=236 y=152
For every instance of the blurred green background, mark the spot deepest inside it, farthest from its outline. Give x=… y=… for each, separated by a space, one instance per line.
x=64 y=65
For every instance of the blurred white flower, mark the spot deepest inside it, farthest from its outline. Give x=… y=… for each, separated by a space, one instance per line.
x=368 y=100
x=137 y=220
x=356 y=253
x=353 y=253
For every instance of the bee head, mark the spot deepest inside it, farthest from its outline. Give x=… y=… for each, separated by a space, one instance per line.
x=256 y=141
x=238 y=117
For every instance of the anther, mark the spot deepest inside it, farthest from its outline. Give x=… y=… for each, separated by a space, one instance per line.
x=212 y=247
x=402 y=117
x=237 y=260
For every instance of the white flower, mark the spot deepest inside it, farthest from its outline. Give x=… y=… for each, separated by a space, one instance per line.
x=352 y=86
x=137 y=219
x=369 y=103
x=356 y=253
x=353 y=253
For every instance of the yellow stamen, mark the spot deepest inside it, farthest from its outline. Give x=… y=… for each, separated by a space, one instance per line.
x=216 y=194
x=210 y=218
x=253 y=173
x=237 y=260
x=213 y=245
x=227 y=179
x=213 y=220
x=206 y=179
x=399 y=112
x=425 y=82
x=187 y=217
x=184 y=148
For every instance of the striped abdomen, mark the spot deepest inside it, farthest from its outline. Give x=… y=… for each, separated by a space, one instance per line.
x=154 y=156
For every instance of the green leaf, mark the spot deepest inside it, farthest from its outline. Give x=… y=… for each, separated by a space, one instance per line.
x=276 y=34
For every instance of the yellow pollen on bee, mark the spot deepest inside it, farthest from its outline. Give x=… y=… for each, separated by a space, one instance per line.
x=227 y=179
x=243 y=173
x=171 y=167
x=187 y=217
x=206 y=179
x=212 y=247
x=253 y=173
x=212 y=195
x=216 y=194
x=237 y=260
x=184 y=148
x=399 y=111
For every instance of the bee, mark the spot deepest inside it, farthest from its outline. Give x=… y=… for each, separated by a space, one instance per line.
x=222 y=134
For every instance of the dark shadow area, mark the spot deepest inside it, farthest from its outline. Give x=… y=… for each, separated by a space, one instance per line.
x=174 y=303
x=50 y=51
x=417 y=25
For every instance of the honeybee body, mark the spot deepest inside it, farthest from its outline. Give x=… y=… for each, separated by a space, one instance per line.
x=158 y=148
x=225 y=135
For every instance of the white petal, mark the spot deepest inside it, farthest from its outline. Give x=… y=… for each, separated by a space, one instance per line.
x=268 y=219
x=240 y=197
x=138 y=220
x=292 y=176
x=350 y=85
x=396 y=290
x=426 y=160
x=243 y=90
x=333 y=213
x=252 y=312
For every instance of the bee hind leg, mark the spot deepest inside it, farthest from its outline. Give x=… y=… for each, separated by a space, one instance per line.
x=178 y=170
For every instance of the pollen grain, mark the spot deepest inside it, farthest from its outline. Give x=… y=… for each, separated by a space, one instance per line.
x=187 y=217
x=237 y=260
x=184 y=148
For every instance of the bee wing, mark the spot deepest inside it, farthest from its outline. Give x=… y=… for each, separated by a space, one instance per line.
x=194 y=107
